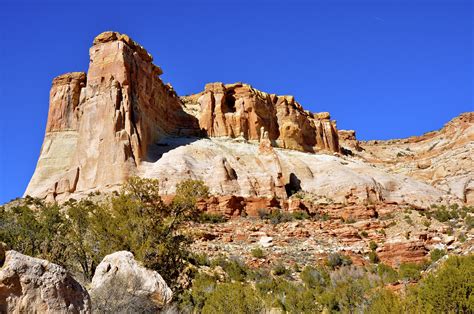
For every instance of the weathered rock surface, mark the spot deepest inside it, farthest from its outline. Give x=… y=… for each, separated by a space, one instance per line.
x=32 y=285
x=348 y=140
x=442 y=158
x=120 y=284
x=100 y=126
x=236 y=168
x=235 y=110
x=120 y=120
x=398 y=252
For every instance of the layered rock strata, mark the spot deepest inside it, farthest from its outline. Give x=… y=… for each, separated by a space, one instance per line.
x=101 y=124
x=442 y=158
x=239 y=110
x=120 y=120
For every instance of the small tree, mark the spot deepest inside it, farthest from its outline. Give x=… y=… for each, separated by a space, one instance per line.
x=448 y=290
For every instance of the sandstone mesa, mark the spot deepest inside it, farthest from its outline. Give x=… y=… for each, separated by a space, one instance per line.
x=121 y=120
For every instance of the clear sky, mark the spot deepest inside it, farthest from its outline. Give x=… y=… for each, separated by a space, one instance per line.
x=387 y=69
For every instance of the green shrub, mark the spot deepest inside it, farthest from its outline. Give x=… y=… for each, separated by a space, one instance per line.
x=448 y=290
x=81 y=233
x=349 y=220
x=387 y=273
x=211 y=218
x=257 y=253
x=346 y=295
x=364 y=234
x=454 y=206
x=314 y=278
x=38 y=232
x=373 y=258
x=426 y=222
x=443 y=215
x=202 y=286
x=410 y=271
x=373 y=246
x=385 y=302
x=233 y=298
x=287 y=296
x=335 y=260
x=436 y=254
x=235 y=269
x=300 y=215
x=469 y=222
x=280 y=270
x=276 y=216
x=324 y=217
x=200 y=259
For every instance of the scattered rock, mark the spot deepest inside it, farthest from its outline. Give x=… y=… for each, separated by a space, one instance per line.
x=266 y=241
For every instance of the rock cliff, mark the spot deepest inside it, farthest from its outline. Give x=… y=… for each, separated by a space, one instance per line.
x=120 y=120
x=101 y=124
x=238 y=110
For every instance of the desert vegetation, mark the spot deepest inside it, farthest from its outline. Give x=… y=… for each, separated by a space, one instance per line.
x=336 y=287
x=79 y=233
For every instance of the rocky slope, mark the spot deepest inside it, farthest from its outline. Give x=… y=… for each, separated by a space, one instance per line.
x=120 y=120
x=238 y=168
x=442 y=158
x=399 y=233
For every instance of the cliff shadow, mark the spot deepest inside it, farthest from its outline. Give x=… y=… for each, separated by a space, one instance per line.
x=293 y=186
x=158 y=149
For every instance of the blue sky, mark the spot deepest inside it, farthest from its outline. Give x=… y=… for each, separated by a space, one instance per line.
x=387 y=69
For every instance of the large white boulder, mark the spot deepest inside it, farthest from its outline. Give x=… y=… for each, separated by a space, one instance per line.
x=33 y=285
x=120 y=284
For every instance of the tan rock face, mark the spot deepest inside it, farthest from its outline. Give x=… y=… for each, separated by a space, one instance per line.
x=64 y=100
x=100 y=127
x=239 y=168
x=442 y=158
x=120 y=120
x=348 y=140
x=32 y=285
x=235 y=110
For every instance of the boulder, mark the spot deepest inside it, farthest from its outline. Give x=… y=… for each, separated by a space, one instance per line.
x=398 y=252
x=33 y=285
x=266 y=241
x=121 y=284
